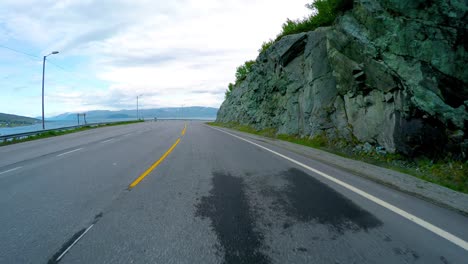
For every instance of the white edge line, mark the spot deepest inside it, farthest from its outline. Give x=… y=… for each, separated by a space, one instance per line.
x=434 y=229
x=17 y=168
x=105 y=141
x=68 y=152
x=74 y=242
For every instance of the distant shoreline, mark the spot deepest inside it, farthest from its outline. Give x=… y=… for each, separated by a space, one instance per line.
x=8 y=125
x=51 y=124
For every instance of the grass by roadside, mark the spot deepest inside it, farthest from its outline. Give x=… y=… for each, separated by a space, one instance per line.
x=449 y=173
x=49 y=134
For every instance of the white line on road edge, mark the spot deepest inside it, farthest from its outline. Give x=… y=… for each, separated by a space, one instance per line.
x=434 y=229
x=109 y=140
x=17 y=168
x=74 y=242
x=68 y=152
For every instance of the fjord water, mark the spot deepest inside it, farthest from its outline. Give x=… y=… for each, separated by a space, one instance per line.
x=52 y=125
x=68 y=123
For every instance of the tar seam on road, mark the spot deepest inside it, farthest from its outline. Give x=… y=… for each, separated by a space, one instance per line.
x=72 y=244
x=17 y=168
x=68 y=152
x=434 y=229
x=150 y=169
x=72 y=241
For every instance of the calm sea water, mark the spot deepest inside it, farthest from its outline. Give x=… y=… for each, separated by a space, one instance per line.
x=57 y=124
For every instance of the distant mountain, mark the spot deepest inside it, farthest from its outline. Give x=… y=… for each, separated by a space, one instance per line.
x=167 y=112
x=8 y=120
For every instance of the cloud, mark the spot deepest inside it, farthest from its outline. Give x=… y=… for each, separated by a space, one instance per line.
x=174 y=52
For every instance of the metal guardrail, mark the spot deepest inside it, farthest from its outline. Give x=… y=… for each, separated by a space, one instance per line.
x=33 y=133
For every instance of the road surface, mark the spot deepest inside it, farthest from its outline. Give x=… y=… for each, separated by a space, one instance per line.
x=184 y=192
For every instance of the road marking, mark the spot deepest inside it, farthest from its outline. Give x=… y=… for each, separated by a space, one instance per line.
x=128 y=134
x=185 y=128
x=109 y=140
x=150 y=169
x=17 y=168
x=74 y=242
x=68 y=152
x=434 y=229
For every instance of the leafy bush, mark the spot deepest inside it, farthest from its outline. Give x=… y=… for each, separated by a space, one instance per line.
x=229 y=90
x=266 y=45
x=243 y=70
x=323 y=14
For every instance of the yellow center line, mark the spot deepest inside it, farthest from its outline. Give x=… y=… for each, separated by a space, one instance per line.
x=150 y=169
x=185 y=128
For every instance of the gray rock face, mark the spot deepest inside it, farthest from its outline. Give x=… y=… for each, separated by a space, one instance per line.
x=391 y=73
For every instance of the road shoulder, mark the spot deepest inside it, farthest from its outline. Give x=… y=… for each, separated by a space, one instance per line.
x=402 y=182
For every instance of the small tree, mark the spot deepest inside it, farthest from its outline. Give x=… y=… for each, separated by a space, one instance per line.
x=266 y=45
x=323 y=14
x=229 y=90
x=243 y=70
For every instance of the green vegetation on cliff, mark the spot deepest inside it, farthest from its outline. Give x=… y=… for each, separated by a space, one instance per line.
x=243 y=70
x=324 y=12
x=241 y=73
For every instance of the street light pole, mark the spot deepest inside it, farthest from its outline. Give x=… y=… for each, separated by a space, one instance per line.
x=43 y=74
x=138 y=115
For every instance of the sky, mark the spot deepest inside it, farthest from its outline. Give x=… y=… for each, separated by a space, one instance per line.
x=172 y=53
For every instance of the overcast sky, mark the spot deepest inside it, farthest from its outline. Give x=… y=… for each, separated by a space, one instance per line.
x=174 y=53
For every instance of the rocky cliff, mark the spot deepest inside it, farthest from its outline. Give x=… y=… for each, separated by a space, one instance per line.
x=392 y=73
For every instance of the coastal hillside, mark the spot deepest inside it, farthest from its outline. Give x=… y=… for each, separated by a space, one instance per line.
x=390 y=74
x=8 y=120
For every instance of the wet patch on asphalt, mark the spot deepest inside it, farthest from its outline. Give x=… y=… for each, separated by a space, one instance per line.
x=233 y=220
x=307 y=199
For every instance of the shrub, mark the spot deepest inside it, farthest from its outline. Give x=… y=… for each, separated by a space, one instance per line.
x=323 y=14
x=230 y=87
x=227 y=94
x=243 y=70
x=266 y=45
x=229 y=90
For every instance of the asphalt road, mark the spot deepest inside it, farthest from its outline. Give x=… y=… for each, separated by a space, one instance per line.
x=204 y=196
